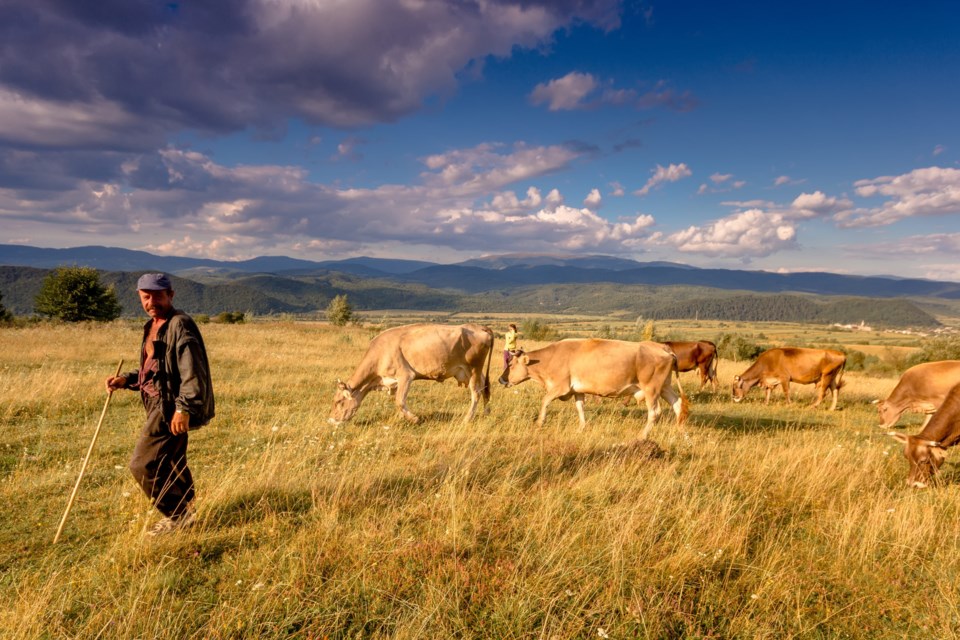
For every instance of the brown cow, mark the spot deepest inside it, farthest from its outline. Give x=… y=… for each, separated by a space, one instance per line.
x=784 y=365
x=398 y=356
x=608 y=368
x=700 y=355
x=921 y=388
x=927 y=450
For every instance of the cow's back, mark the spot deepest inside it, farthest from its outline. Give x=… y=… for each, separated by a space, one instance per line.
x=604 y=367
x=431 y=350
x=798 y=363
x=927 y=382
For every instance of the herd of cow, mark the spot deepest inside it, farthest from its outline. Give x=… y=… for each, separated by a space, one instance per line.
x=575 y=368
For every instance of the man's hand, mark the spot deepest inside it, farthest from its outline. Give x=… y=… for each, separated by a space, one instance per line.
x=180 y=423
x=117 y=382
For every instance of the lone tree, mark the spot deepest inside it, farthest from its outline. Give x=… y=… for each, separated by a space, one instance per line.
x=74 y=294
x=339 y=311
x=4 y=314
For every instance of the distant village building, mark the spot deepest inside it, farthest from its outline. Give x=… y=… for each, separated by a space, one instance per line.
x=854 y=327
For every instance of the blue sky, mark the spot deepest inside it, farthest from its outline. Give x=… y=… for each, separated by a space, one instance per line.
x=779 y=136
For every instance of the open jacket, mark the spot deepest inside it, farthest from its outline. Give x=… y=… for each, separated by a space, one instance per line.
x=183 y=378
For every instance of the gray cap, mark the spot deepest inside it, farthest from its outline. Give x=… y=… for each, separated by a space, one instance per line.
x=154 y=282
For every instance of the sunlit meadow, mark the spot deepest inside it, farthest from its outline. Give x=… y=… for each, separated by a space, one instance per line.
x=754 y=521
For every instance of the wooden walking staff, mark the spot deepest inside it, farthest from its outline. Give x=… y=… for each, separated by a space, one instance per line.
x=86 y=459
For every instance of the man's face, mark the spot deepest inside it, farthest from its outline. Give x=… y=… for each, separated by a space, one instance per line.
x=157 y=304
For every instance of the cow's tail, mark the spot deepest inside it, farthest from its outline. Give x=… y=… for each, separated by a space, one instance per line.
x=486 y=376
x=712 y=372
x=684 y=403
x=839 y=378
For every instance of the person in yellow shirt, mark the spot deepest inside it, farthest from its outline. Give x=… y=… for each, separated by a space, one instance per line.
x=510 y=344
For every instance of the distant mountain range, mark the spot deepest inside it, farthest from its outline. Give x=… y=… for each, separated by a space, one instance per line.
x=489 y=273
x=515 y=282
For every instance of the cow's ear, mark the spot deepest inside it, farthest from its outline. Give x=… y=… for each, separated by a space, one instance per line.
x=524 y=359
x=736 y=378
x=346 y=393
x=902 y=437
x=340 y=384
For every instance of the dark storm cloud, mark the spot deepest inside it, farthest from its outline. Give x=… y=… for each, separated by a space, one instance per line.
x=219 y=66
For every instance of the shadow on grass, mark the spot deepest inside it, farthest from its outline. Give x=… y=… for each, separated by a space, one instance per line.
x=570 y=460
x=810 y=421
x=254 y=506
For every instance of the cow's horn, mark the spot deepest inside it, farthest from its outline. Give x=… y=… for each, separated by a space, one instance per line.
x=877 y=401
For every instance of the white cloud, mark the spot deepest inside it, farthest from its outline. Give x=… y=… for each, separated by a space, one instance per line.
x=933 y=191
x=578 y=90
x=720 y=178
x=188 y=203
x=661 y=174
x=593 y=200
x=564 y=93
x=616 y=189
x=744 y=235
x=816 y=205
x=937 y=150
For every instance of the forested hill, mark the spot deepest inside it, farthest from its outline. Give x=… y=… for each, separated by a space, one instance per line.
x=790 y=308
x=266 y=294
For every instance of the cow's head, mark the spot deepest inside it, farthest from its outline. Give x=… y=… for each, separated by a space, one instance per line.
x=345 y=404
x=740 y=389
x=888 y=415
x=925 y=458
x=516 y=370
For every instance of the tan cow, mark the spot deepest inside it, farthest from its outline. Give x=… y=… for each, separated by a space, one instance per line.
x=921 y=388
x=700 y=355
x=608 y=368
x=784 y=365
x=927 y=450
x=398 y=356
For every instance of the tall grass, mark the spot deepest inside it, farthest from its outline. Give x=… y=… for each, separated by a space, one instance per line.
x=756 y=521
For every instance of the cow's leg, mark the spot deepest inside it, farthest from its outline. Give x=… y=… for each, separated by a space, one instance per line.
x=676 y=403
x=821 y=392
x=768 y=390
x=403 y=388
x=653 y=410
x=578 y=400
x=835 y=390
x=543 y=410
x=786 y=389
x=704 y=375
x=475 y=385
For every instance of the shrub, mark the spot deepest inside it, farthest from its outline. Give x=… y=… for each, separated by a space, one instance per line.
x=230 y=317
x=5 y=316
x=536 y=330
x=735 y=347
x=74 y=294
x=339 y=311
x=859 y=361
x=934 y=349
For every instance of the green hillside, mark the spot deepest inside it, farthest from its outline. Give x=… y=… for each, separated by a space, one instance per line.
x=266 y=294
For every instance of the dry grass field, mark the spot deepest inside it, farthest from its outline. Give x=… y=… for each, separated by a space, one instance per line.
x=755 y=522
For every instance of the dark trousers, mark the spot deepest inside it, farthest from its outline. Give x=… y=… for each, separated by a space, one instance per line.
x=159 y=462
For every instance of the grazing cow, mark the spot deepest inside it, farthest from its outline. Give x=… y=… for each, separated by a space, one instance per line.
x=700 y=355
x=608 y=368
x=921 y=388
x=784 y=365
x=398 y=356
x=927 y=450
